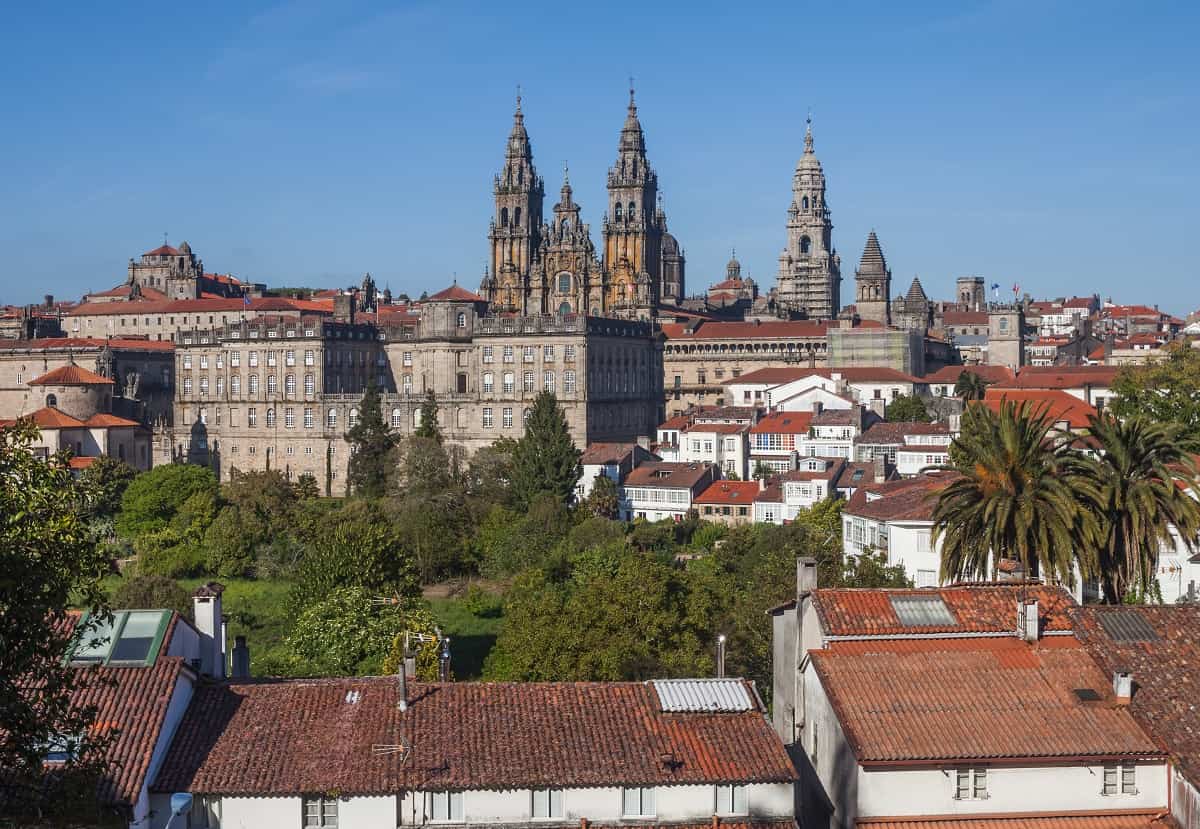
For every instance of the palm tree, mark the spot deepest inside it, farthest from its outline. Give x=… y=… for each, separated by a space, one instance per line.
x=1013 y=496
x=1143 y=483
x=969 y=386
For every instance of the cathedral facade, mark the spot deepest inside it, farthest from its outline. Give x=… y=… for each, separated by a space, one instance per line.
x=810 y=279
x=549 y=265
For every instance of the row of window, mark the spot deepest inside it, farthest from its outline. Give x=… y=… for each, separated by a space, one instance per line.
x=253 y=357
x=528 y=354
x=528 y=382
x=252 y=384
x=544 y=804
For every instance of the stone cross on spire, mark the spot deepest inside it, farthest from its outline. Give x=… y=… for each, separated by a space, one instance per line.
x=808 y=139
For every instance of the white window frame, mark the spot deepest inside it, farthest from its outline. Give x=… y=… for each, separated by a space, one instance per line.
x=546 y=804
x=325 y=815
x=444 y=807
x=730 y=800
x=641 y=798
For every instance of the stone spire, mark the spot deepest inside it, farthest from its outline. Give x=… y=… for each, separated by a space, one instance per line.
x=517 y=220
x=808 y=139
x=873 y=284
x=809 y=277
x=872 y=262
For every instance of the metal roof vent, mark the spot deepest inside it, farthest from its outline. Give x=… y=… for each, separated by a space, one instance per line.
x=702 y=695
x=922 y=611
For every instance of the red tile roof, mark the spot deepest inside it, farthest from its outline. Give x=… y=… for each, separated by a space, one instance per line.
x=86 y=344
x=907 y=499
x=1150 y=819
x=1064 y=377
x=948 y=375
x=728 y=492
x=48 y=417
x=677 y=422
x=667 y=474
x=884 y=432
x=70 y=375
x=201 y=306
x=109 y=421
x=1165 y=667
x=976 y=608
x=777 y=375
x=965 y=318
x=162 y=250
x=148 y=294
x=606 y=453
x=784 y=423
x=1057 y=405
x=974 y=699
x=289 y=737
x=80 y=463
x=793 y=329
x=455 y=294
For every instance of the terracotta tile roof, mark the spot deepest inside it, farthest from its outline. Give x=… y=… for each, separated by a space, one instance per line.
x=793 y=329
x=968 y=699
x=784 y=423
x=70 y=375
x=1130 y=311
x=455 y=294
x=719 y=428
x=288 y=737
x=728 y=492
x=80 y=463
x=889 y=433
x=778 y=375
x=1165 y=666
x=976 y=608
x=835 y=417
x=200 y=306
x=773 y=494
x=162 y=250
x=86 y=344
x=606 y=453
x=49 y=417
x=948 y=375
x=1060 y=377
x=1026 y=820
x=1057 y=405
x=676 y=422
x=965 y=318
x=149 y=294
x=109 y=420
x=907 y=499
x=713 y=413
x=668 y=474
x=851 y=479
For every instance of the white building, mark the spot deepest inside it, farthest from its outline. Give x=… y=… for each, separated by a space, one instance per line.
x=993 y=710
x=656 y=491
x=833 y=432
x=921 y=452
x=814 y=480
x=612 y=460
x=896 y=518
x=795 y=389
x=886 y=439
x=355 y=753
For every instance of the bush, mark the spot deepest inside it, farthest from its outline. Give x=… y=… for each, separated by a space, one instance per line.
x=167 y=553
x=152 y=500
x=481 y=603
x=146 y=592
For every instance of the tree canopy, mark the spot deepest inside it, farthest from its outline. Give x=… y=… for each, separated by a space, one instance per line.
x=153 y=499
x=907 y=408
x=428 y=427
x=545 y=459
x=372 y=446
x=1166 y=391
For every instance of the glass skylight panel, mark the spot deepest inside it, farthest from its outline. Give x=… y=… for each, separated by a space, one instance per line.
x=94 y=646
x=922 y=611
x=137 y=636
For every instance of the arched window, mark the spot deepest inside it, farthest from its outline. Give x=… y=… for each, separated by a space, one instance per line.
x=254 y=384
x=331 y=418
x=235 y=384
x=548 y=381
x=51 y=400
x=564 y=309
x=804 y=203
x=461 y=321
x=489 y=382
x=406 y=384
x=564 y=283
x=504 y=217
x=617 y=214
x=805 y=245
x=566 y=226
x=416 y=418
x=270 y=418
x=517 y=217
x=460 y=417
x=353 y=418
x=272 y=384
x=397 y=418
x=630 y=212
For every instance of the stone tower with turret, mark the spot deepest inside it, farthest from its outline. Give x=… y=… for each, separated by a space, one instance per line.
x=810 y=276
x=971 y=294
x=873 y=284
x=633 y=228
x=516 y=224
x=567 y=274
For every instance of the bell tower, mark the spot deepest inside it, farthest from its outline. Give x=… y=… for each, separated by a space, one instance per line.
x=633 y=229
x=873 y=284
x=515 y=228
x=810 y=276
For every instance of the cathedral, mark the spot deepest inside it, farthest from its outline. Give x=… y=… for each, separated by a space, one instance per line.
x=810 y=279
x=549 y=265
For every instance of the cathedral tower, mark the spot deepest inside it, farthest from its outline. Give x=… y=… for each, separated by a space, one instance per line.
x=633 y=228
x=567 y=271
x=873 y=284
x=809 y=268
x=516 y=225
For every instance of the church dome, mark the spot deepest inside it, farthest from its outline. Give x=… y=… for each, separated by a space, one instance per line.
x=733 y=269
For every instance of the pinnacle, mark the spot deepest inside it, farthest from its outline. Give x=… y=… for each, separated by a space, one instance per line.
x=872 y=262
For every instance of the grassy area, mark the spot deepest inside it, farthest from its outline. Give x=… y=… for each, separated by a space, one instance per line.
x=256 y=610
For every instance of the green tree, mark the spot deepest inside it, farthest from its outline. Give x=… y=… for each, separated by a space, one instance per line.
x=1166 y=391
x=425 y=466
x=105 y=481
x=1142 y=480
x=907 y=408
x=970 y=386
x=306 y=487
x=603 y=500
x=428 y=427
x=545 y=459
x=1012 y=495
x=489 y=474
x=372 y=461
x=230 y=542
x=48 y=561
x=348 y=632
x=150 y=592
x=153 y=498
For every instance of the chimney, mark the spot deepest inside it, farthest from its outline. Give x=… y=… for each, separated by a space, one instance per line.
x=806 y=577
x=1122 y=687
x=343 y=308
x=1028 y=621
x=880 y=462
x=644 y=442
x=206 y=610
x=817 y=407
x=241 y=658
x=716 y=821
x=762 y=483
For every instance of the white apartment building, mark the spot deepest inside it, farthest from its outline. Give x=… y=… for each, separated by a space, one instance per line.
x=833 y=433
x=725 y=445
x=896 y=518
x=657 y=491
x=921 y=452
x=679 y=752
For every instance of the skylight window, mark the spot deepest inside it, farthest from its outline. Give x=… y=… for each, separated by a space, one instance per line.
x=922 y=611
x=133 y=637
x=1127 y=626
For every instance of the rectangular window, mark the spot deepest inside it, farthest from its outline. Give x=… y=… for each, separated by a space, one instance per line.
x=233 y=418
x=203 y=361
x=506 y=420
x=235 y=359
x=527 y=381
x=568 y=382
x=444 y=807
x=487 y=417
x=187 y=360
x=1128 y=778
x=309 y=358
x=487 y=354
x=637 y=802
x=509 y=382
x=309 y=419
x=272 y=358
x=407 y=359
x=289 y=358
x=731 y=800
x=320 y=812
x=569 y=353
x=252 y=419
x=970 y=784
x=548 y=381
x=527 y=354
x=508 y=353
x=289 y=418
x=547 y=353
x=253 y=359
x=547 y=804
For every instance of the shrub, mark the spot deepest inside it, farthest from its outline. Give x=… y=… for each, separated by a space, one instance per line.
x=152 y=592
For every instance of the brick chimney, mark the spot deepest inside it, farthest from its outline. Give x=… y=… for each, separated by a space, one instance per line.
x=206 y=610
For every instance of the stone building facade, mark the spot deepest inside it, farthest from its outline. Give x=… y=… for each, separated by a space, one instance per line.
x=873 y=284
x=168 y=272
x=552 y=267
x=161 y=319
x=810 y=276
x=281 y=392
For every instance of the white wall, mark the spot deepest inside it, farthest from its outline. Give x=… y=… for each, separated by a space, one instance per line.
x=181 y=695
x=1010 y=789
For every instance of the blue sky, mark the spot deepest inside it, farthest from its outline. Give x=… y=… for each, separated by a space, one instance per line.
x=1045 y=143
